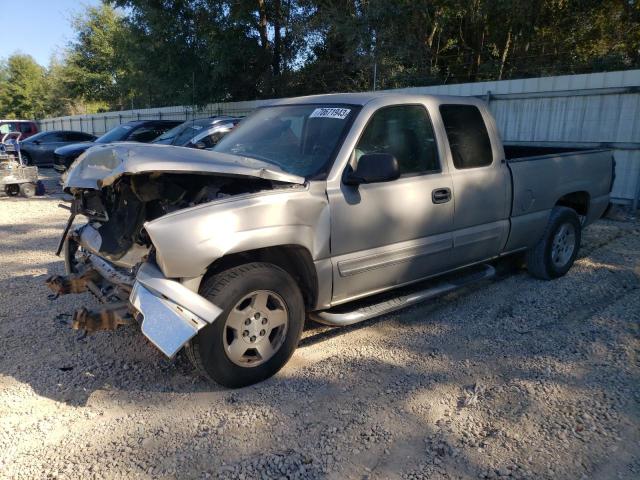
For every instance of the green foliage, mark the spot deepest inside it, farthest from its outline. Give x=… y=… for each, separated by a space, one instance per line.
x=22 y=88
x=95 y=64
x=147 y=53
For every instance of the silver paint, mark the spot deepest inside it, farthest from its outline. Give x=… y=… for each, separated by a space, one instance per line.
x=165 y=324
x=363 y=239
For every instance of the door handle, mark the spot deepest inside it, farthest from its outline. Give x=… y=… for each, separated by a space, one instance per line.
x=441 y=195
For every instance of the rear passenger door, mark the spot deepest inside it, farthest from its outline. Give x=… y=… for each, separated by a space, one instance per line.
x=389 y=233
x=480 y=186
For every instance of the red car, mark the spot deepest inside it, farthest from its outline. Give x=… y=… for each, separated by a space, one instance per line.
x=25 y=127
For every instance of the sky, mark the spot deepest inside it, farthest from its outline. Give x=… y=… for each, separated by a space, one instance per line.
x=38 y=28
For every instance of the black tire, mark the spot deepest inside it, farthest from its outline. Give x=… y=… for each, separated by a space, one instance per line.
x=28 y=190
x=26 y=158
x=206 y=351
x=540 y=261
x=13 y=190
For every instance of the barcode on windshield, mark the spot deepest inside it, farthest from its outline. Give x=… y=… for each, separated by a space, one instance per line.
x=339 y=113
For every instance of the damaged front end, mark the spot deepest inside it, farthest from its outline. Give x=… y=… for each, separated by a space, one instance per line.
x=118 y=189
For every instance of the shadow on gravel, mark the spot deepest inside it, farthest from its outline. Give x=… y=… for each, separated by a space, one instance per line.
x=478 y=353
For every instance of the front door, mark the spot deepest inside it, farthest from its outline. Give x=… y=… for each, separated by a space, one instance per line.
x=391 y=233
x=42 y=152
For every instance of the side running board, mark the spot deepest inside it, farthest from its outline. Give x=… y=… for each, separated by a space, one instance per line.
x=341 y=316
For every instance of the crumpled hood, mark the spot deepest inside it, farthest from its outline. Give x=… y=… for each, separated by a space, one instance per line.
x=101 y=165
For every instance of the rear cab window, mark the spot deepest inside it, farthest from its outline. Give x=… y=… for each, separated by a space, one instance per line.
x=467 y=135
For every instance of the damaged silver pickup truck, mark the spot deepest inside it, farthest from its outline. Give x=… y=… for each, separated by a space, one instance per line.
x=329 y=207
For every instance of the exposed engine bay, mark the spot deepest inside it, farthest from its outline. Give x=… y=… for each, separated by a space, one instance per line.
x=102 y=256
x=119 y=211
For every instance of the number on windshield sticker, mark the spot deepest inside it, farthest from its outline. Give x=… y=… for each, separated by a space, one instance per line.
x=338 y=113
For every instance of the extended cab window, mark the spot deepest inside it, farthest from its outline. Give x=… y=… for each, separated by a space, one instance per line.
x=406 y=133
x=467 y=135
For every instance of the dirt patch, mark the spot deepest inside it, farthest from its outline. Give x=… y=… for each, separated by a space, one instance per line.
x=513 y=378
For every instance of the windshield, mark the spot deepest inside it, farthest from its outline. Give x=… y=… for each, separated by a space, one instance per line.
x=299 y=139
x=186 y=135
x=170 y=134
x=115 y=134
x=184 y=132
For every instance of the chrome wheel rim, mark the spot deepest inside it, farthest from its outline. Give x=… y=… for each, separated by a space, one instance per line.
x=255 y=328
x=564 y=244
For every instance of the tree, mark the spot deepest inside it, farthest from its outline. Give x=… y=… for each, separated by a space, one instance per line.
x=135 y=53
x=22 y=88
x=94 y=68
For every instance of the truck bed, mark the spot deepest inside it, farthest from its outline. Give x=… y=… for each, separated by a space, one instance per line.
x=542 y=175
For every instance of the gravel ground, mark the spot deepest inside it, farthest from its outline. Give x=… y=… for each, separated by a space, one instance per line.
x=512 y=378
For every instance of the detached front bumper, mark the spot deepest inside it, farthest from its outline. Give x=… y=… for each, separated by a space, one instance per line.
x=172 y=314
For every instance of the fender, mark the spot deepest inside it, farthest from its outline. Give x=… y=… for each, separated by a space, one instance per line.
x=189 y=240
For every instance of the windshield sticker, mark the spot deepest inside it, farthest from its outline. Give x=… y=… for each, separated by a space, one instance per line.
x=126 y=127
x=196 y=127
x=338 y=113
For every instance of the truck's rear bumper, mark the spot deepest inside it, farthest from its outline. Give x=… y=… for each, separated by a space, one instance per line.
x=172 y=314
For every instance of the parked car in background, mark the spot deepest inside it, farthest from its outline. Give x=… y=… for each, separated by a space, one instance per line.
x=26 y=128
x=137 y=131
x=200 y=133
x=38 y=149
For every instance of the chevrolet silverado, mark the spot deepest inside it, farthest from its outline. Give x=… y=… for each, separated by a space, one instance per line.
x=333 y=207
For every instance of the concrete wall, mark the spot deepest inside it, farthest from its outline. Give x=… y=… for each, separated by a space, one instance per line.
x=590 y=110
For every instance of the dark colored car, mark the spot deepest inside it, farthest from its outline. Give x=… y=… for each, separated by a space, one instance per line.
x=200 y=133
x=26 y=128
x=38 y=149
x=137 y=131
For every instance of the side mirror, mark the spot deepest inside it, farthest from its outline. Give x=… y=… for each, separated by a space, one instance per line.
x=374 y=168
x=199 y=145
x=37 y=142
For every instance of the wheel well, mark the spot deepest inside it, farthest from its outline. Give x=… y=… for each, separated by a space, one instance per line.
x=293 y=259
x=579 y=201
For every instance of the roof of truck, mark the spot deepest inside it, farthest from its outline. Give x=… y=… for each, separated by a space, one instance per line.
x=364 y=98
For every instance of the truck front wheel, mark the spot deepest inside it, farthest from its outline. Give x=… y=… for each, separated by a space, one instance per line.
x=556 y=251
x=258 y=330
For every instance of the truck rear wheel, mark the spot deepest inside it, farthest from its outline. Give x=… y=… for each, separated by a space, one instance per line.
x=258 y=330
x=554 y=254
